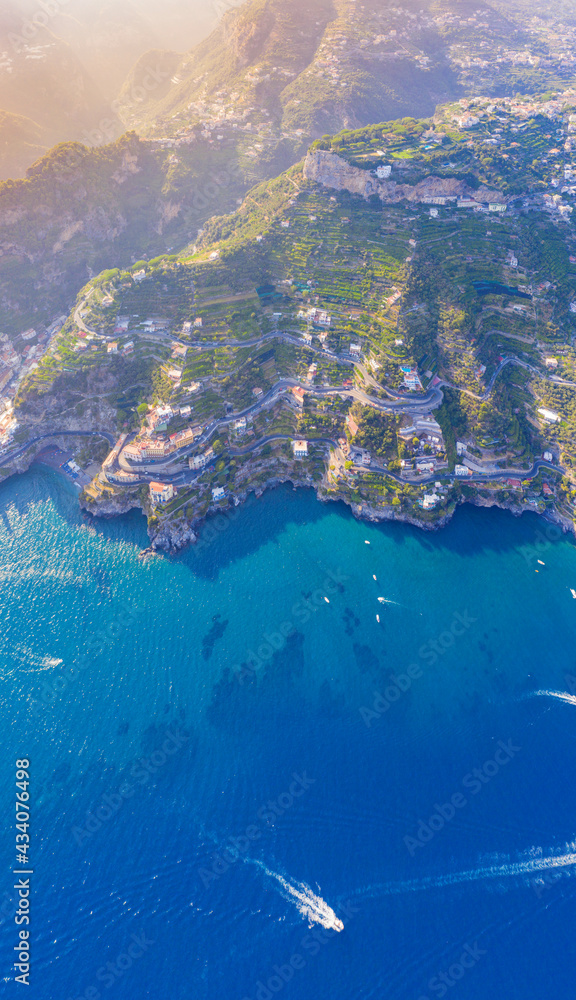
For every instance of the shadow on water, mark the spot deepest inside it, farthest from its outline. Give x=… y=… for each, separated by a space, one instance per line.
x=240 y=532
x=473 y=530
x=246 y=692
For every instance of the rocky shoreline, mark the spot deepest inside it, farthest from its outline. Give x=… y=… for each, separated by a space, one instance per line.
x=178 y=533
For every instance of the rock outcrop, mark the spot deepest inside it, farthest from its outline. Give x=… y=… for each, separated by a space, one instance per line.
x=331 y=171
x=172 y=536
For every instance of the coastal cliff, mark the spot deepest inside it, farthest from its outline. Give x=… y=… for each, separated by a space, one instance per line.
x=331 y=171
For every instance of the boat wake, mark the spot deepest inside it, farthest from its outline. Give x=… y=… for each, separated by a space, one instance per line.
x=533 y=865
x=306 y=901
x=561 y=695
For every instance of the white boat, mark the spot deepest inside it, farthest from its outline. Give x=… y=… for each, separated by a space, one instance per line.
x=573 y=592
x=327 y=601
x=374 y=577
x=540 y=563
x=382 y=600
x=366 y=542
x=378 y=618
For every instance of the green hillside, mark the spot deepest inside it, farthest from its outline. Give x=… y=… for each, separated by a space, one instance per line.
x=444 y=269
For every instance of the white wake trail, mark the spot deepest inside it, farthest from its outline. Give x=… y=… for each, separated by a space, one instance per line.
x=570 y=699
x=531 y=866
x=307 y=902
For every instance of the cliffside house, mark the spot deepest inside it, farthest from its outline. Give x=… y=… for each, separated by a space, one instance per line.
x=161 y=493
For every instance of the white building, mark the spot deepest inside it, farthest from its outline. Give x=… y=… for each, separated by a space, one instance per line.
x=355 y=349
x=197 y=462
x=548 y=415
x=462 y=470
x=218 y=493
x=430 y=500
x=300 y=449
x=161 y=492
x=383 y=171
x=412 y=381
x=319 y=317
x=240 y=425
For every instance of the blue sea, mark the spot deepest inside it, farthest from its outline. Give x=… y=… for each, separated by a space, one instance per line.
x=243 y=784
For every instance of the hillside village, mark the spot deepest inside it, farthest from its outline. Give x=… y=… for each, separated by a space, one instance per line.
x=398 y=338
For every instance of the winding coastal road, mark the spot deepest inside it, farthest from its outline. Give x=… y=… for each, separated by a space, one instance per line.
x=397 y=401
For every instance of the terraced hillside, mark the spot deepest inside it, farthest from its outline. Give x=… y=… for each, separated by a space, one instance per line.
x=416 y=328
x=240 y=108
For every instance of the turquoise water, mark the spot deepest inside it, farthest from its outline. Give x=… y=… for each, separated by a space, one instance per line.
x=219 y=740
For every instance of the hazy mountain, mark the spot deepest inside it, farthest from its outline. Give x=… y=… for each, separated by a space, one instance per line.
x=21 y=141
x=62 y=64
x=238 y=109
x=320 y=66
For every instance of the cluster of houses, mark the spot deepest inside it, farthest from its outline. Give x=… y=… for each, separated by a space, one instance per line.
x=317 y=318
x=17 y=364
x=471 y=203
x=197 y=462
x=154 y=448
x=113 y=347
x=426 y=429
x=8 y=423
